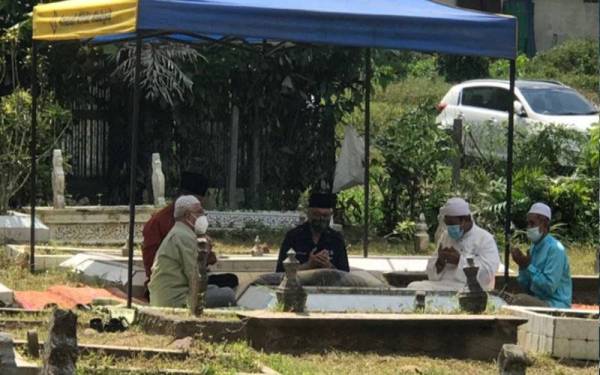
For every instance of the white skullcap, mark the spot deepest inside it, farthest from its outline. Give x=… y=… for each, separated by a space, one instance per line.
x=541 y=209
x=456 y=207
x=184 y=204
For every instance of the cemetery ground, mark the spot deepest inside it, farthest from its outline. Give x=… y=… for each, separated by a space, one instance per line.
x=206 y=357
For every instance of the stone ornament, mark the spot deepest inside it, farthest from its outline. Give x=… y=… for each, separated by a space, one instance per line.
x=158 y=181
x=512 y=360
x=60 y=348
x=421 y=235
x=58 y=180
x=472 y=298
x=290 y=293
x=420 y=300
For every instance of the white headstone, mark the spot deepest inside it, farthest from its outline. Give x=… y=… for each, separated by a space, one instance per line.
x=58 y=180
x=158 y=181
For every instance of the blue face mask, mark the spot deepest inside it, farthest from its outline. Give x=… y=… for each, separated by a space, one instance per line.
x=455 y=232
x=534 y=234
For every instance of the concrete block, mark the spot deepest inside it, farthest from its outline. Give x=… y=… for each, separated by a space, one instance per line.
x=7 y=296
x=561 y=348
x=578 y=349
x=544 y=325
x=15 y=228
x=7 y=353
x=106 y=269
x=24 y=367
x=592 y=350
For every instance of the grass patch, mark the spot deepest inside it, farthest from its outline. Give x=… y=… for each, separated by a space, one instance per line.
x=581 y=259
x=360 y=364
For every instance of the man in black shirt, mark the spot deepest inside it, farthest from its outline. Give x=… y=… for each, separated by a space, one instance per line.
x=315 y=243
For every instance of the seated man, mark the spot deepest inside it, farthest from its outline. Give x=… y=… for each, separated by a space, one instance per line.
x=176 y=260
x=544 y=271
x=463 y=239
x=315 y=243
x=156 y=229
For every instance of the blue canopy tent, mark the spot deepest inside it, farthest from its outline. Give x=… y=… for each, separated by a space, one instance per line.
x=420 y=25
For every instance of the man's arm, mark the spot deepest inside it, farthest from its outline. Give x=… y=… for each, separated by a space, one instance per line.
x=432 y=268
x=544 y=282
x=188 y=255
x=488 y=262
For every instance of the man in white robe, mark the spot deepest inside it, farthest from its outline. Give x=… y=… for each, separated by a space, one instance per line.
x=463 y=239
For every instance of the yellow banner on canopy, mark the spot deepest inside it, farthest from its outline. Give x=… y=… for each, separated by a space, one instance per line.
x=83 y=19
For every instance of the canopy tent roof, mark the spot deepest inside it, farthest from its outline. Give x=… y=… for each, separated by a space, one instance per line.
x=420 y=25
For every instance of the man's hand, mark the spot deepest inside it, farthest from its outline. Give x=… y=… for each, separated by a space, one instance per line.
x=450 y=255
x=521 y=259
x=319 y=259
x=440 y=264
x=211 y=259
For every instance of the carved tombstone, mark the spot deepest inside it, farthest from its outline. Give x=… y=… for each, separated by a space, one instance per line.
x=512 y=360
x=8 y=363
x=421 y=235
x=60 y=348
x=158 y=181
x=58 y=180
x=472 y=298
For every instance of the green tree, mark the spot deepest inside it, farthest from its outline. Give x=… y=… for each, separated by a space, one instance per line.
x=15 y=133
x=412 y=151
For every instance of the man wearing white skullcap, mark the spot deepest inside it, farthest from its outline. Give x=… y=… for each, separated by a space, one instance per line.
x=176 y=260
x=544 y=272
x=463 y=239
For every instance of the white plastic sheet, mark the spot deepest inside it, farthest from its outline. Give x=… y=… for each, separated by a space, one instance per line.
x=350 y=168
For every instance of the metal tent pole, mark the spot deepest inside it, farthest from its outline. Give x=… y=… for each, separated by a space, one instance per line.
x=598 y=249
x=32 y=150
x=367 y=145
x=509 y=170
x=133 y=162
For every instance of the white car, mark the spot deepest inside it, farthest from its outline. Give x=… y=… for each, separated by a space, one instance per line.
x=483 y=106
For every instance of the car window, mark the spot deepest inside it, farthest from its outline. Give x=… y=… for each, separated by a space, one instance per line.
x=557 y=101
x=494 y=98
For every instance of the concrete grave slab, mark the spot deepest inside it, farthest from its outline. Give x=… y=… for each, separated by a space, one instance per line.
x=464 y=336
x=11 y=363
x=412 y=264
x=7 y=297
x=562 y=333
x=106 y=269
x=16 y=228
x=370 y=264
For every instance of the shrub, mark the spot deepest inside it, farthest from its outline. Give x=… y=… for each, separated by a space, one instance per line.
x=574 y=63
x=15 y=133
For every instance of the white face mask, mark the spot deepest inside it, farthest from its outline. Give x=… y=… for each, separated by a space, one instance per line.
x=201 y=225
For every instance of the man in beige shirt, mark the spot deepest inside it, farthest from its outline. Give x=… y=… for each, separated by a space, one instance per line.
x=176 y=260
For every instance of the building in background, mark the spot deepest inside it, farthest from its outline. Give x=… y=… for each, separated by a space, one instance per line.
x=543 y=23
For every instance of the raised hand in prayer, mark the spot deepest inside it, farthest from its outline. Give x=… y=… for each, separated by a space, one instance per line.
x=450 y=255
x=319 y=259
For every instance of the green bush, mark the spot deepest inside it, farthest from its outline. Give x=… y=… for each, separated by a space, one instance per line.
x=574 y=63
x=15 y=133
x=462 y=68
x=412 y=150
